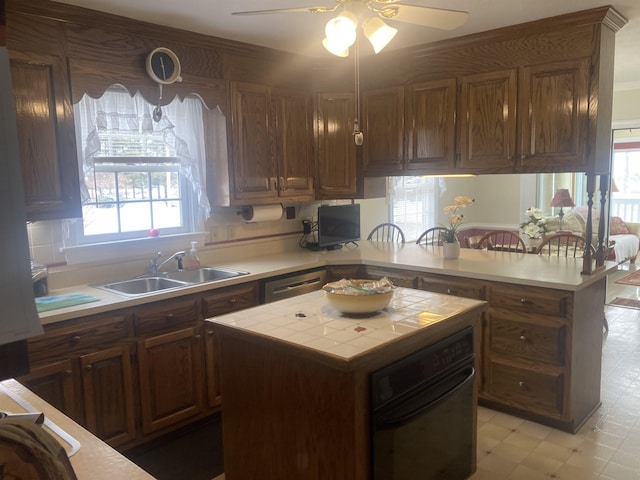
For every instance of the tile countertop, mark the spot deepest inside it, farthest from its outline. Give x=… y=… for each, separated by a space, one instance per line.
x=515 y=268
x=310 y=322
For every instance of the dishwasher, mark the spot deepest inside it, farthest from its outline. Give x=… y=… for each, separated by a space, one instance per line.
x=287 y=286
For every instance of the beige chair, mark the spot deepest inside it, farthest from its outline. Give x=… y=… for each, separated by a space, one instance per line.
x=502 y=240
x=432 y=236
x=387 y=232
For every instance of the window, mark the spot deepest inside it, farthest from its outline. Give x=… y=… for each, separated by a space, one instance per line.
x=413 y=204
x=139 y=174
x=625 y=191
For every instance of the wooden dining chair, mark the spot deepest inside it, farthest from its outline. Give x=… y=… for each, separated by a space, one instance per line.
x=502 y=240
x=387 y=232
x=432 y=236
x=563 y=245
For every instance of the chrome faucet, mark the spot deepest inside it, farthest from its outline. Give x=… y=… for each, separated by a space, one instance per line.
x=153 y=264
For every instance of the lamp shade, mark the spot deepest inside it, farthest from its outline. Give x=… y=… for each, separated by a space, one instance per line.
x=562 y=198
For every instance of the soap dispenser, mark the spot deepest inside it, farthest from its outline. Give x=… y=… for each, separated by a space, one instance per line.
x=191 y=261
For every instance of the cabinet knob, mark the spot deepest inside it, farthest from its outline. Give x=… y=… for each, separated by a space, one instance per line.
x=523 y=338
x=521 y=384
x=76 y=338
x=450 y=291
x=524 y=300
x=88 y=367
x=68 y=373
x=210 y=333
x=169 y=317
x=233 y=301
x=197 y=337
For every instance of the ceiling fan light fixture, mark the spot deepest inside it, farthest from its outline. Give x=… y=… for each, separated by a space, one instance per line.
x=378 y=33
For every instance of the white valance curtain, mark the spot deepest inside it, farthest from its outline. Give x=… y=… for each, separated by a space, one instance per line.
x=181 y=125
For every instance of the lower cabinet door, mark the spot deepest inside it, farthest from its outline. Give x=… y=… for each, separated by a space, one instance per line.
x=171 y=378
x=55 y=383
x=107 y=385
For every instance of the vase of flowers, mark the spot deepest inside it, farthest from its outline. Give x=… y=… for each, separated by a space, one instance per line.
x=535 y=226
x=450 y=245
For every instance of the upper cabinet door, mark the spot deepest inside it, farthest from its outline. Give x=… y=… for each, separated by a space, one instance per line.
x=336 y=164
x=383 y=127
x=487 y=122
x=46 y=136
x=554 y=116
x=430 y=121
x=294 y=144
x=254 y=174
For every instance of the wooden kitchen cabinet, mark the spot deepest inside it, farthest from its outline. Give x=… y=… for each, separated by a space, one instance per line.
x=84 y=369
x=430 y=123
x=336 y=165
x=272 y=144
x=458 y=286
x=219 y=302
x=400 y=278
x=46 y=136
x=56 y=383
x=383 y=127
x=554 y=117
x=171 y=378
x=487 y=122
x=107 y=388
x=538 y=359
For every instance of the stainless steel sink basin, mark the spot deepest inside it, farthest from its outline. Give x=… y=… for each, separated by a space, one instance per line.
x=204 y=274
x=140 y=286
x=163 y=281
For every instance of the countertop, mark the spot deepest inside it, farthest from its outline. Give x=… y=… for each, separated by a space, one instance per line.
x=515 y=268
x=94 y=459
x=309 y=322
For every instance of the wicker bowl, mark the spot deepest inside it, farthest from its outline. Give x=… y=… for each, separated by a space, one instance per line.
x=360 y=303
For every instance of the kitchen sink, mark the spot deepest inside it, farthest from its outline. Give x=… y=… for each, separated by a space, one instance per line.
x=140 y=286
x=204 y=274
x=164 y=281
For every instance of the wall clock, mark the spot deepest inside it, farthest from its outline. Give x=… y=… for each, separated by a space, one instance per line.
x=163 y=66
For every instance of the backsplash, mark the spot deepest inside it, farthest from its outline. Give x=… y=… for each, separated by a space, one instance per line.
x=225 y=225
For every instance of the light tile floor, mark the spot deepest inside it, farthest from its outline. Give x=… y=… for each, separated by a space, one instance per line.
x=607 y=447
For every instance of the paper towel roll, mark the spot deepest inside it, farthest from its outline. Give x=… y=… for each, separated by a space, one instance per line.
x=262 y=213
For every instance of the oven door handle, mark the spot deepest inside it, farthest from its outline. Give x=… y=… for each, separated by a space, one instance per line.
x=402 y=419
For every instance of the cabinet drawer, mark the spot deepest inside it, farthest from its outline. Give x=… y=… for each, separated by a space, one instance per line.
x=165 y=315
x=534 y=391
x=230 y=299
x=543 y=301
x=453 y=286
x=59 y=342
x=538 y=342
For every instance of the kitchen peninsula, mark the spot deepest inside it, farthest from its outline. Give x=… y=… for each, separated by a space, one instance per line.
x=541 y=336
x=296 y=383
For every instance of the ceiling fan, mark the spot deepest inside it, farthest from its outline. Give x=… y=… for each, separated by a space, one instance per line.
x=341 y=30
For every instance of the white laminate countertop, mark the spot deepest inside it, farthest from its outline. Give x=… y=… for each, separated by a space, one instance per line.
x=515 y=268
x=310 y=322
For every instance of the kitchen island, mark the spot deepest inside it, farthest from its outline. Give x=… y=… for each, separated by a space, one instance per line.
x=295 y=377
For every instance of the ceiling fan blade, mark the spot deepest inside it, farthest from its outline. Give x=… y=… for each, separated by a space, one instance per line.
x=289 y=10
x=426 y=16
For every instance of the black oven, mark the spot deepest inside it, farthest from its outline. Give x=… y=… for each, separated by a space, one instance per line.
x=423 y=412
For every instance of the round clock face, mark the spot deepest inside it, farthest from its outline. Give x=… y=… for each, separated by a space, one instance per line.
x=163 y=66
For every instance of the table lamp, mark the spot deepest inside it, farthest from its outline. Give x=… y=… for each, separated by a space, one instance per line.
x=562 y=198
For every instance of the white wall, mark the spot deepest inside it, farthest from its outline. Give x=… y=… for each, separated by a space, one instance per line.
x=626 y=108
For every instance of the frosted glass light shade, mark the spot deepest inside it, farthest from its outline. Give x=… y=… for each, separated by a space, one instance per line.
x=341 y=32
x=378 y=33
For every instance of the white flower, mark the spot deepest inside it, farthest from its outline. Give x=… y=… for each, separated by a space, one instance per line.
x=536 y=223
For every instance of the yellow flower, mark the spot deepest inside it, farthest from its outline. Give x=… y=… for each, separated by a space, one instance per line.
x=455 y=218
